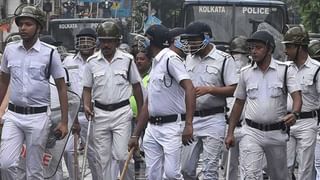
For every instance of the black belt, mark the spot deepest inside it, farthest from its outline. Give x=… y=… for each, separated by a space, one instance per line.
x=266 y=127
x=311 y=114
x=157 y=120
x=208 y=112
x=111 y=107
x=27 y=110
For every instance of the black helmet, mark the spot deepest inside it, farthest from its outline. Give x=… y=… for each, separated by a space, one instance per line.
x=158 y=35
x=239 y=45
x=30 y=12
x=50 y=40
x=109 y=30
x=197 y=29
x=264 y=37
x=87 y=32
x=296 y=35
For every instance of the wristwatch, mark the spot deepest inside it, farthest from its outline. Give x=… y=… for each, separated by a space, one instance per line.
x=296 y=114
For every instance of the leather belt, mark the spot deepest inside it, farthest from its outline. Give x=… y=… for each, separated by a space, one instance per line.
x=266 y=127
x=158 y=120
x=27 y=110
x=111 y=107
x=311 y=114
x=208 y=112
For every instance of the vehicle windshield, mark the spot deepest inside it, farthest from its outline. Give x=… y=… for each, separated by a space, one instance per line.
x=227 y=21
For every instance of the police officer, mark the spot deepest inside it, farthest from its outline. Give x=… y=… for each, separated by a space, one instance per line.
x=26 y=66
x=239 y=51
x=262 y=89
x=85 y=44
x=301 y=145
x=212 y=84
x=170 y=102
x=111 y=76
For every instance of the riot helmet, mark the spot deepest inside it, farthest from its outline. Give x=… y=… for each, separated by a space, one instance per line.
x=314 y=49
x=158 y=35
x=198 y=35
x=109 y=30
x=264 y=37
x=85 y=39
x=30 y=12
x=296 y=35
x=49 y=39
x=178 y=40
x=239 y=45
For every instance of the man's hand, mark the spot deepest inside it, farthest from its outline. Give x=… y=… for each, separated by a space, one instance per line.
x=133 y=143
x=76 y=128
x=202 y=90
x=289 y=119
x=229 y=141
x=187 y=135
x=61 y=130
x=88 y=112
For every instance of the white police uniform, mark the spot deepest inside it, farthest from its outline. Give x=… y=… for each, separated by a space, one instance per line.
x=28 y=117
x=162 y=141
x=266 y=103
x=75 y=65
x=209 y=118
x=301 y=145
x=111 y=89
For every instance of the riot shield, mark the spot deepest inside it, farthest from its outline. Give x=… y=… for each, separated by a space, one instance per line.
x=55 y=148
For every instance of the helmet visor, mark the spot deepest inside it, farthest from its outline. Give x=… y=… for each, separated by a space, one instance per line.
x=85 y=43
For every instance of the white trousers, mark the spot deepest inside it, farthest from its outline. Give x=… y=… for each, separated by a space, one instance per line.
x=301 y=147
x=162 y=147
x=111 y=133
x=32 y=129
x=256 y=144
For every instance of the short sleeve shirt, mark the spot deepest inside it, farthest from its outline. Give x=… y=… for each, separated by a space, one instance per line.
x=265 y=92
x=165 y=95
x=28 y=70
x=110 y=81
x=208 y=72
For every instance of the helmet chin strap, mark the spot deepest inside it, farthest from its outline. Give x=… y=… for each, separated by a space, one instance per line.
x=297 y=53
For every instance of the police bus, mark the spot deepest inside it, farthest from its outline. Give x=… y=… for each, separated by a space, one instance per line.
x=229 y=18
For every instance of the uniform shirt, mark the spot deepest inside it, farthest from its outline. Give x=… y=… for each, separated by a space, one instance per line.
x=264 y=92
x=165 y=95
x=109 y=80
x=27 y=68
x=207 y=72
x=310 y=90
x=75 y=65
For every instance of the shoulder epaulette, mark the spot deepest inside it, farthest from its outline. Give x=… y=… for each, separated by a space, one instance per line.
x=176 y=56
x=48 y=45
x=127 y=54
x=72 y=67
x=245 y=67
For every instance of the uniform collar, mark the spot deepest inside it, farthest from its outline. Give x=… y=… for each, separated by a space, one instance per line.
x=78 y=57
x=272 y=64
x=161 y=54
x=36 y=46
x=117 y=55
x=211 y=54
x=308 y=62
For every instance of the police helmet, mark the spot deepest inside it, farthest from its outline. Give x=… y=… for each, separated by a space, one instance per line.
x=296 y=35
x=178 y=40
x=264 y=37
x=198 y=29
x=239 y=45
x=314 y=49
x=85 y=39
x=109 y=30
x=30 y=12
x=158 y=35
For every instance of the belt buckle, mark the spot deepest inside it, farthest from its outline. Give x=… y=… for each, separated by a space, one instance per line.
x=158 y=120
